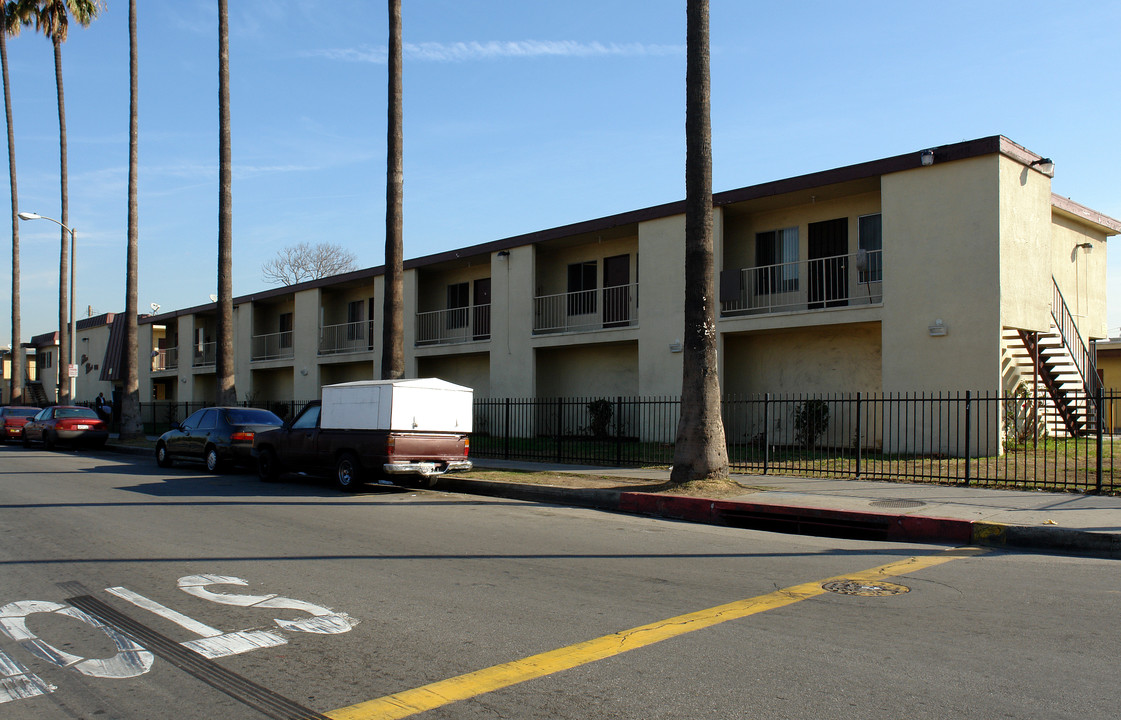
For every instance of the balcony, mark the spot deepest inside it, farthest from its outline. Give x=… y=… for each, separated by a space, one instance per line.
x=344 y=338
x=205 y=354
x=804 y=285
x=273 y=346
x=165 y=359
x=457 y=325
x=586 y=310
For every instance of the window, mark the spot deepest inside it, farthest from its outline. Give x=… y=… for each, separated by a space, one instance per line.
x=354 y=320
x=308 y=419
x=776 y=261
x=870 y=262
x=459 y=298
x=285 y=330
x=581 y=288
x=46 y=360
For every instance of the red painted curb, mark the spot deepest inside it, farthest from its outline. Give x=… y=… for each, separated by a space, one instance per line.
x=801 y=520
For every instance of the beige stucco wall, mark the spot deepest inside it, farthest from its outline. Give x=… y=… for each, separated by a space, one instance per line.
x=826 y=359
x=661 y=308
x=469 y=369
x=551 y=271
x=512 y=370
x=432 y=291
x=588 y=371
x=941 y=227
x=1025 y=246
x=1109 y=363
x=91 y=344
x=1080 y=273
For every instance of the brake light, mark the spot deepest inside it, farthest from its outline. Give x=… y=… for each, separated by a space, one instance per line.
x=466 y=446
x=241 y=437
x=390 y=446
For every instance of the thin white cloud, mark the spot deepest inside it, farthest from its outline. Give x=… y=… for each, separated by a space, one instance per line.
x=498 y=49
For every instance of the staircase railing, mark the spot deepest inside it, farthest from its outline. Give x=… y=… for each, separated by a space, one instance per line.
x=1083 y=358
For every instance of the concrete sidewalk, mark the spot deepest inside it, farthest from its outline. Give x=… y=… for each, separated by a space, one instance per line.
x=908 y=512
x=902 y=512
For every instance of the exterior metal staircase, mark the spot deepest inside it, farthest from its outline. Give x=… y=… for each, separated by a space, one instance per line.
x=1058 y=364
x=36 y=393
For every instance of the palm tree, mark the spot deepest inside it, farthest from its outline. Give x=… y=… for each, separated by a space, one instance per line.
x=700 y=451
x=11 y=27
x=131 y=426
x=224 y=358
x=393 y=337
x=52 y=18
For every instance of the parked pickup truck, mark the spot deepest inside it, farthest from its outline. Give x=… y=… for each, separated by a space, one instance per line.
x=413 y=430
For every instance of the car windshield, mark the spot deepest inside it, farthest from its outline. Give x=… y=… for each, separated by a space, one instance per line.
x=251 y=416
x=75 y=413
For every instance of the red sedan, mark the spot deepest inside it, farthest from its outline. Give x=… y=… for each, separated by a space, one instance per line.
x=68 y=424
x=12 y=420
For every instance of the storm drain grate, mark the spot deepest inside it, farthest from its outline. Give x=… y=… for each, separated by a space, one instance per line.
x=865 y=589
x=897 y=503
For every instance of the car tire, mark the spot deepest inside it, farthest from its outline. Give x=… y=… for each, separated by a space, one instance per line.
x=163 y=457
x=23 y=439
x=48 y=441
x=267 y=468
x=348 y=472
x=213 y=462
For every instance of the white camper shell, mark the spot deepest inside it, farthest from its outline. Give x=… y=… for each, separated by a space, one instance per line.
x=427 y=405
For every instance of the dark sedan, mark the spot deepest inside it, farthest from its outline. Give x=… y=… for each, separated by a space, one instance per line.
x=69 y=424
x=12 y=420
x=216 y=436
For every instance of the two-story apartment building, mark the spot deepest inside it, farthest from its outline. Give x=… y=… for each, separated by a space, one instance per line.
x=945 y=269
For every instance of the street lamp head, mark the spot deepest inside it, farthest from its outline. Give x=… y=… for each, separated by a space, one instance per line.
x=30 y=216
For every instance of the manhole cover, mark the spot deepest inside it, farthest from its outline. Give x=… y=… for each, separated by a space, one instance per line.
x=867 y=589
x=898 y=503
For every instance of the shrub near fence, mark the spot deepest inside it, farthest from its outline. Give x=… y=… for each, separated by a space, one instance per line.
x=954 y=438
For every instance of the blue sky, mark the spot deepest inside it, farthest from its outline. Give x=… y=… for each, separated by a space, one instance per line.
x=519 y=116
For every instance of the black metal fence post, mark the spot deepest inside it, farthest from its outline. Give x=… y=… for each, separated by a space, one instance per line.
x=766 y=432
x=619 y=430
x=560 y=427
x=859 y=438
x=507 y=433
x=968 y=430
x=1100 y=421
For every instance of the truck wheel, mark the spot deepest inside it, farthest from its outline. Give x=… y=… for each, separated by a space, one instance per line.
x=266 y=465
x=348 y=472
x=163 y=457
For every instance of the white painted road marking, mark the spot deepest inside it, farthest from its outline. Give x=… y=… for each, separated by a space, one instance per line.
x=323 y=621
x=17 y=682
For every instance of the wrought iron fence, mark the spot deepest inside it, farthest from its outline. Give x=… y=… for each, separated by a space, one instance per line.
x=963 y=438
x=160 y=416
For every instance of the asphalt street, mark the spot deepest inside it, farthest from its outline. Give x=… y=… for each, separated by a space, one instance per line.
x=134 y=592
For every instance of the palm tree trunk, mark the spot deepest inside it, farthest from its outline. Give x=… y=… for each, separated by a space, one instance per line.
x=130 y=404
x=700 y=451
x=393 y=309
x=224 y=358
x=15 y=396
x=64 y=255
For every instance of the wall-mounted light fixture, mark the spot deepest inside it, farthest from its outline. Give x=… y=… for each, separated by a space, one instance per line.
x=938 y=329
x=1088 y=247
x=303 y=371
x=927 y=157
x=676 y=346
x=1045 y=166
x=503 y=253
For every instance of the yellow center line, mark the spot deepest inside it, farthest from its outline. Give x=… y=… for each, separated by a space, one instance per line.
x=462 y=687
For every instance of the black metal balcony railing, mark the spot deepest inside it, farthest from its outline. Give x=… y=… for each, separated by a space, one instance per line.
x=205 y=354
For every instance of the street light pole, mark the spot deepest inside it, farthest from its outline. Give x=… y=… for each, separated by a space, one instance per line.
x=71 y=361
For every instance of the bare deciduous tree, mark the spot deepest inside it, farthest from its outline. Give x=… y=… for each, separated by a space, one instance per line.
x=297 y=263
